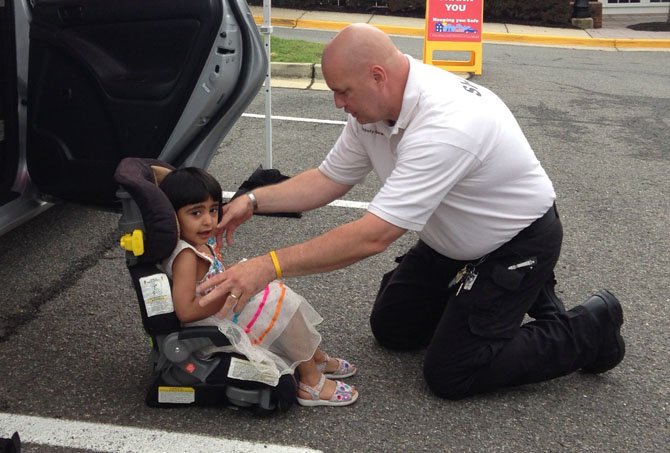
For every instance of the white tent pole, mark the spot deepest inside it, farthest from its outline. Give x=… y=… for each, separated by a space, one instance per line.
x=266 y=31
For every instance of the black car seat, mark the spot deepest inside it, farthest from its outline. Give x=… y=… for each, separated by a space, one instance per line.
x=181 y=377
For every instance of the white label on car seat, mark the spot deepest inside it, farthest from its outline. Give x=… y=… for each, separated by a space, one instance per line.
x=156 y=294
x=176 y=395
x=244 y=370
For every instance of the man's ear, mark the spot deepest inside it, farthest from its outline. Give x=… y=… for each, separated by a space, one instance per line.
x=378 y=73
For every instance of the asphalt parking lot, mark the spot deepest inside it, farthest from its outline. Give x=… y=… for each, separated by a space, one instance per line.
x=73 y=349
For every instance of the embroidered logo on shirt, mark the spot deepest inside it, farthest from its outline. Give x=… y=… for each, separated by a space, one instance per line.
x=371 y=131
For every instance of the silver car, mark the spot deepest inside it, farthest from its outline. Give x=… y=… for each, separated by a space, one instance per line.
x=87 y=83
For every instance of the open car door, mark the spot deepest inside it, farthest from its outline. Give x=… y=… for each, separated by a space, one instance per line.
x=145 y=78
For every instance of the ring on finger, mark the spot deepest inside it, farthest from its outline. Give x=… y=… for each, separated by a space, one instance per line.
x=234 y=296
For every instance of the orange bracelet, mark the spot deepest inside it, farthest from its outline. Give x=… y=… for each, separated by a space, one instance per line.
x=275 y=261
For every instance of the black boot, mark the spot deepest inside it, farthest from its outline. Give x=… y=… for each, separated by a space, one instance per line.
x=547 y=304
x=606 y=309
x=12 y=445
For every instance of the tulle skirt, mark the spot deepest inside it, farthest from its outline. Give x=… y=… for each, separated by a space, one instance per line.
x=275 y=331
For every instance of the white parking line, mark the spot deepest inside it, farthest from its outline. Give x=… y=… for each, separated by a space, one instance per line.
x=349 y=204
x=336 y=203
x=293 y=118
x=110 y=438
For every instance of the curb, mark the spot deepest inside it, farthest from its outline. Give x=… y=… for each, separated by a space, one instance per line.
x=307 y=76
x=614 y=43
x=546 y=40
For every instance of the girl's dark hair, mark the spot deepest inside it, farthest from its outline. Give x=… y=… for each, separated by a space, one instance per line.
x=190 y=185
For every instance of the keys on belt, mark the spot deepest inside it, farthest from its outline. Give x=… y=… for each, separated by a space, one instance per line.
x=466 y=277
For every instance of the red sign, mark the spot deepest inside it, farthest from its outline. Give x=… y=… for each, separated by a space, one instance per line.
x=454 y=20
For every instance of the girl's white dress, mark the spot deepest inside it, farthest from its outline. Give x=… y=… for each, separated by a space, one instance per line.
x=275 y=331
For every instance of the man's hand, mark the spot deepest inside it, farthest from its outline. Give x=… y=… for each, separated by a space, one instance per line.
x=237 y=284
x=235 y=213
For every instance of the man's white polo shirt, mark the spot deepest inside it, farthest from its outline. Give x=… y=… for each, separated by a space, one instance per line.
x=455 y=167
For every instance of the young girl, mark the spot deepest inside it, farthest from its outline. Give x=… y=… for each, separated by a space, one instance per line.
x=276 y=329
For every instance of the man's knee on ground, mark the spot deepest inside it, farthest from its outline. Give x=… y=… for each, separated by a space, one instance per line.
x=392 y=335
x=446 y=382
x=385 y=336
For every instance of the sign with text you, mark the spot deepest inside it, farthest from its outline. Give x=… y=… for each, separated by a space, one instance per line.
x=454 y=27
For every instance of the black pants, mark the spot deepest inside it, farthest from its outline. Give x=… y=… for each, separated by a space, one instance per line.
x=475 y=340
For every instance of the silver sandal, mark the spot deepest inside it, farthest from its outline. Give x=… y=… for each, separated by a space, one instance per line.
x=344 y=394
x=344 y=368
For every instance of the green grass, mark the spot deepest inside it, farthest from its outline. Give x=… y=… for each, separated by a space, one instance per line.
x=295 y=51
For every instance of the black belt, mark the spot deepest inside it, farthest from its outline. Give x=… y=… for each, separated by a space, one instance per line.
x=540 y=224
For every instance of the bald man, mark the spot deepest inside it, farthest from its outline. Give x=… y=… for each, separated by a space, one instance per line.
x=456 y=169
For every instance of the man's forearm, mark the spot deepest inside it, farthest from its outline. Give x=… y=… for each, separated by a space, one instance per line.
x=338 y=248
x=332 y=250
x=306 y=191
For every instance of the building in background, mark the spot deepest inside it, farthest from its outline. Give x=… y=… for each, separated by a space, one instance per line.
x=635 y=6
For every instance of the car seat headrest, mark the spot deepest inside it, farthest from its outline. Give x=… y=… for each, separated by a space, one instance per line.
x=140 y=178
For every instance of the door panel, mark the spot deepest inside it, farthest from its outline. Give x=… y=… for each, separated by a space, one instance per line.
x=9 y=158
x=109 y=79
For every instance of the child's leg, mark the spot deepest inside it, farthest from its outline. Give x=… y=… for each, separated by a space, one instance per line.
x=319 y=356
x=297 y=341
x=310 y=375
x=315 y=390
x=293 y=345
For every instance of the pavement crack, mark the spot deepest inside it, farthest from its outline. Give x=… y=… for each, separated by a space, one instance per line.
x=11 y=323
